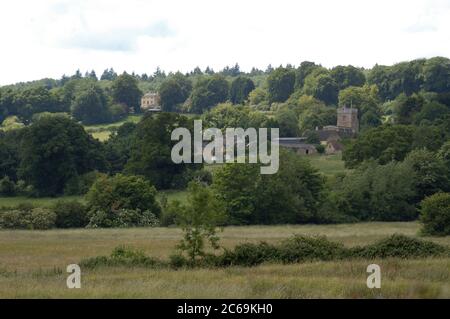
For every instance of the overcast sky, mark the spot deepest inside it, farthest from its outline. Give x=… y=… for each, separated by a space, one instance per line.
x=48 y=38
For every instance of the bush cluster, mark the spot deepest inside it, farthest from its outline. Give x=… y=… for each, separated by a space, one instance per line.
x=121 y=256
x=73 y=214
x=36 y=218
x=435 y=214
x=122 y=218
x=293 y=250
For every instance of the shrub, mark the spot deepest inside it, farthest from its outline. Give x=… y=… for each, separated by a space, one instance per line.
x=37 y=218
x=7 y=187
x=302 y=248
x=178 y=261
x=399 y=246
x=123 y=218
x=435 y=214
x=70 y=214
x=122 y=256
x=15 y=219
x=249 y=255
x=169 y=214
x=42 y=218
x=122 y=192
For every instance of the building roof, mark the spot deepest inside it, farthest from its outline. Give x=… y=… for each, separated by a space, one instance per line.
x=150 y=94
x=337 y=146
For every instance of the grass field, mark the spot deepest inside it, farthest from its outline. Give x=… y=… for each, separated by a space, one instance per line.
x=11 y=202
x=8 y=202
x=33 y=265
x=328 y=164
x=102 y=132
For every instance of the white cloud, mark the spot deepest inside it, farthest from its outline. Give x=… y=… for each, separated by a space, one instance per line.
x=50 y=37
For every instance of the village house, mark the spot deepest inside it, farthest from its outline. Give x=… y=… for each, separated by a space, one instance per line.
x=150 y=102
x=347 y=126
x=333 y=147
x=298 y=145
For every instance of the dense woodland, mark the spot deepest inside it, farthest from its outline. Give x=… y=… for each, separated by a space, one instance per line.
x=400 y=157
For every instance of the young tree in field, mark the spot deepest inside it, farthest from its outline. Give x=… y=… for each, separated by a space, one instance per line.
x=125 y=90
x=199 y=219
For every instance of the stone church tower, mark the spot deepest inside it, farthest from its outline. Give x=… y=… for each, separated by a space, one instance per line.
x=347 y=119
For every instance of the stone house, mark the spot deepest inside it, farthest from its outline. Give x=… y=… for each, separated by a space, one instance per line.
x=150 y=101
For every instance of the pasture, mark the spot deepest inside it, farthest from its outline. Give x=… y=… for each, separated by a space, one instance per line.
x=32 y=264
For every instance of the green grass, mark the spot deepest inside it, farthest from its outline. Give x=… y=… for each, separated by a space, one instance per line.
x=102 y=132
x=101 y=136
x=37 y=202
x=173 y=195
x=9 y=202
x=329 y=165
x=129 y=118
x=33 y=263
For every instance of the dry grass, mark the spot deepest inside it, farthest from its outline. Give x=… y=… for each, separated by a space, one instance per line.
x=32 y=264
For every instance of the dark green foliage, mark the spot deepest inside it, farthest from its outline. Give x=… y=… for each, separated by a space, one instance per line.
x=15 y=219
x=121 y=256
x=150 y=154
x=377 y=192
x=303 y=71
x=42 y=218
x=7 y=187
x=436 y=75
x=10 y=153
x=122 y=218
x=296 y=249
x=322 y=86
x=91 y=106
x=400 y=246
x=110 y=194
x=174 y=91
x=118 y=147
x=198 y=219
x=70 y=214
x=435 y=214
x=208 y=92
x=383 y=144
x=80 y=185
x=227 y=115
x=54 y=150
x=109 y=75
x=405 y=77
x=406 y=107
x=431 y=173
x=36 y=218
x=302 y=248
x=240 y=89
x=431 y=112
x=287 y=122
x=249 y=255
x=280 y=84
x=346 y=76
x=125 y=90
x=292 y=195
